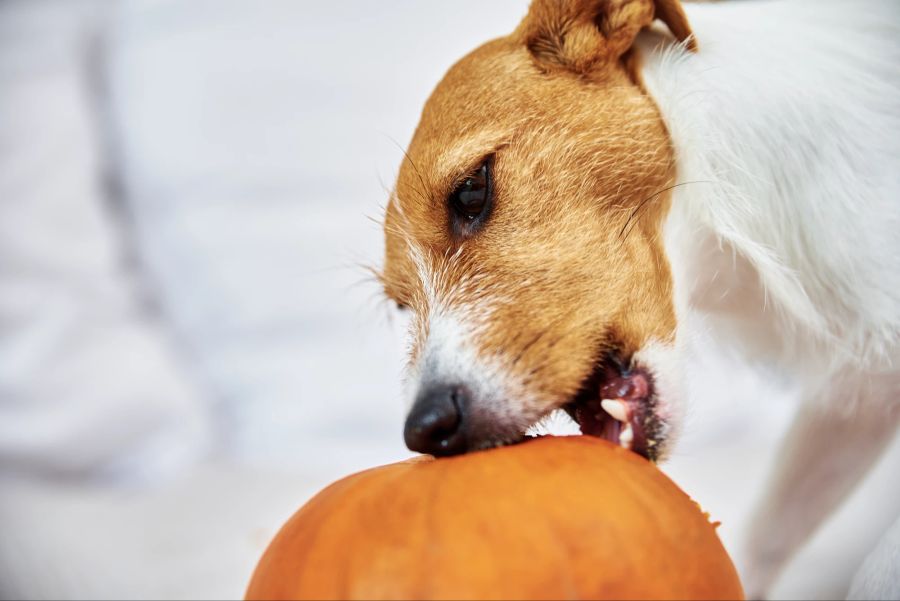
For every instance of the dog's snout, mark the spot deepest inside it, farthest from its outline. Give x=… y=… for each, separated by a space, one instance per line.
x=436 y=423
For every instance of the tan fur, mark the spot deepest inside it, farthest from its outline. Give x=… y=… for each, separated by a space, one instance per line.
x=570 y=264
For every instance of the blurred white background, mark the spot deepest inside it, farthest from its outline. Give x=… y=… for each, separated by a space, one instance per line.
x=189 y=347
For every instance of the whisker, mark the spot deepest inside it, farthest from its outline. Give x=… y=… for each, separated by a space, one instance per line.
x=648 y=199
x=424 y=192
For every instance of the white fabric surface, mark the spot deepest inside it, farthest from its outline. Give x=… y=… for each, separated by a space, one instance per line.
x=88 y=384
x=250 y=138
x=195 y=537
x=246 y=141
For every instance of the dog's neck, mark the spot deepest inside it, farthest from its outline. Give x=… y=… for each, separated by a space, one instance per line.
x=782 y=126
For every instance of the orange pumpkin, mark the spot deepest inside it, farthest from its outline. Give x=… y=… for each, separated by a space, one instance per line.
x=552 y=518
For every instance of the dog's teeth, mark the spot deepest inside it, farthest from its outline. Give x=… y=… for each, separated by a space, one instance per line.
x=615 y=408
x=626 y=436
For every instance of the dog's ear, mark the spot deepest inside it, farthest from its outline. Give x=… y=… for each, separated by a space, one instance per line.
x=582 y=35
x=672 y=14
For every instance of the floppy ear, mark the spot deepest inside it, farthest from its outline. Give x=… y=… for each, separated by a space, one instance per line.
x=582 y=34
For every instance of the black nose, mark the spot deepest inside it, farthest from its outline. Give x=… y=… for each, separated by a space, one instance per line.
x=436 y=425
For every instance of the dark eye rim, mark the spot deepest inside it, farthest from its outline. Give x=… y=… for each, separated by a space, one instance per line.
x=464 y=226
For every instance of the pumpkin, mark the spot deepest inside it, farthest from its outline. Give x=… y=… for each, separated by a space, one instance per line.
x=552 y=518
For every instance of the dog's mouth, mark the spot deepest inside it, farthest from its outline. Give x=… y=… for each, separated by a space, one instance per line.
x=618 y=403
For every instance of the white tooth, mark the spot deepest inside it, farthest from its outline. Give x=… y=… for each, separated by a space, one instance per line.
x=615 y=408
x=626 y=436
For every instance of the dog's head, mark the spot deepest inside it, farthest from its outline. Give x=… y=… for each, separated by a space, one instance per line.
x=525 y=233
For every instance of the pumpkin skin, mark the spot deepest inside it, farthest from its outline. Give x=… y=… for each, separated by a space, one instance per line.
x=552 y=518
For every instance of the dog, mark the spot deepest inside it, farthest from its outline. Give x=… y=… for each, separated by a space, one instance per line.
x=576 y=191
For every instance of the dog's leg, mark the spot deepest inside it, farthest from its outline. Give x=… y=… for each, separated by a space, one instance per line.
x=835 y=438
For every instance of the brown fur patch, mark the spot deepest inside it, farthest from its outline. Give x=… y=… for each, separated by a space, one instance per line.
x=571 y=262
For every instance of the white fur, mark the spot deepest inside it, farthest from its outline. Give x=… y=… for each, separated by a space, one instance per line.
x=786 y=230
x=450 y=357
x=665 y=364
x=447 y=330
x=788 y=120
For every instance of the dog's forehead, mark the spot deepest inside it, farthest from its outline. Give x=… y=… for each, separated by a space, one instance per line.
x=483 y=97
x=495 y=93
x=488 y=82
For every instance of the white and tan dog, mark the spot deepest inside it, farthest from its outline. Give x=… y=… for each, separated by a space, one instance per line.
x=577 y=189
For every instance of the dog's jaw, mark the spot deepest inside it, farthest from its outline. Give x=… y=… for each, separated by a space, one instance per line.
x=619 y=406
x=635 y=403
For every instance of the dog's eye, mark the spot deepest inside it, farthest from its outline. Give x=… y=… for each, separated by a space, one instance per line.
x=470 y=196
x=471 y=199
